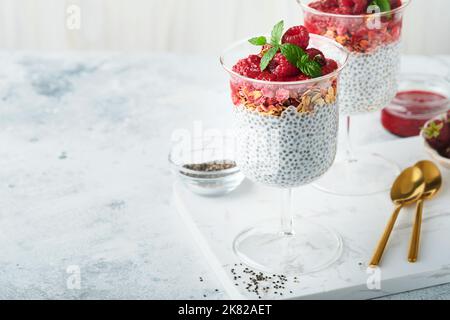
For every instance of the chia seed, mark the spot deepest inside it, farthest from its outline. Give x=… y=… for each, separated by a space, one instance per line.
x=259 y=284
x=215 y=167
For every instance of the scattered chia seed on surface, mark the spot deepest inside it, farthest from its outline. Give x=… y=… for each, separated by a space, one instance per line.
x=260 y=284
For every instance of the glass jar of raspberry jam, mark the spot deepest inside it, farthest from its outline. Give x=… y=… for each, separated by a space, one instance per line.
x=420 y=98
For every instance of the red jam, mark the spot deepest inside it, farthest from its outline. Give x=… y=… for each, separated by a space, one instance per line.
x=410 y=110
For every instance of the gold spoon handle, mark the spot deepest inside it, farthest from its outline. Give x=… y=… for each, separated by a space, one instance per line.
x=384 y=239
x=415 y=237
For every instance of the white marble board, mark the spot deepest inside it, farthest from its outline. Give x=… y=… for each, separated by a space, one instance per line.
x=214 y=222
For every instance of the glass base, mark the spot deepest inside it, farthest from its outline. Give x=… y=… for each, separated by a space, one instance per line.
x=311 y=248
x=365 y=175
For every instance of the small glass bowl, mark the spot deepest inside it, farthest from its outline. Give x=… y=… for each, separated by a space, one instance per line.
x=213 y=151
x=421 y=97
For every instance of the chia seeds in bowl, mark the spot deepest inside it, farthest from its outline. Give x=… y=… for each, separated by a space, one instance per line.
x=201 y=171
x=209 y=170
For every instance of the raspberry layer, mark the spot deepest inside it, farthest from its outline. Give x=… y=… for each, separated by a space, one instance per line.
x=356 y=33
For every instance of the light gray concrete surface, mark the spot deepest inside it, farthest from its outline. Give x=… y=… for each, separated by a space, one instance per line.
x=85 y=187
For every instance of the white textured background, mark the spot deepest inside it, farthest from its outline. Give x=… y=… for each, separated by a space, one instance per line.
x=204 y=26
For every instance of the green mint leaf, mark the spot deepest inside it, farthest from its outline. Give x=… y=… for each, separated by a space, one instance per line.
x=298 y=57
x=258 y=41
x=384 y=5
x=268 y=56
x=310 y=67
x=292 y=53
x=277 y=33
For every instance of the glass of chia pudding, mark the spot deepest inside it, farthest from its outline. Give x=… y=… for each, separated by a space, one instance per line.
x=371 y=31
x=286 y=120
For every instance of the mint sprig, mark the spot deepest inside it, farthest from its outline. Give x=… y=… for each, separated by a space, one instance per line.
x=258 y=41
x=275 y=40
x=299 y=58
x=277 y=33
x=294 y=54
x=267 y=57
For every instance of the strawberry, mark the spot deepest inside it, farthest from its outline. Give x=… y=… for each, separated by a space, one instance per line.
x=446 y=153
x=438 y=135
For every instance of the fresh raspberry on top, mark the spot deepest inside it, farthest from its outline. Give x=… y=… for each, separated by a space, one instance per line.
x=282 y=68
x=297 y=35
x=346 y=3
x=360 y=6
x=395 y=3
x=329 y=3
x=266 y=76
x=316 y=55
x=300 y=77
x=353 y=6
x=248 y=67
x=329 y=67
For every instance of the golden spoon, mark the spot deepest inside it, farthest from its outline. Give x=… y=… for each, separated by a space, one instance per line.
x=433 y=183
x=407 y=189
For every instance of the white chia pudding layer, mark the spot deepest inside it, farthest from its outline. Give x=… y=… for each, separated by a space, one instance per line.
x=287 y=151
x=369 y=81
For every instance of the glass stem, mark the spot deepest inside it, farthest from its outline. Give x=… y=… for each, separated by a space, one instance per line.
x=287 y=216
x=348 y=141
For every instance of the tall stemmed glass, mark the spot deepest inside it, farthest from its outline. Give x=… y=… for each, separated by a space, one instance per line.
x=368 y=84
x=286 y=137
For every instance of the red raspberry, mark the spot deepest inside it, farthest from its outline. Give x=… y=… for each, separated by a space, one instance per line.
x=360 y=6
x=346 y=3
x=329 y=3
x=298 y=35
x=324 y=5
x=353 y=6
x=330 y=66
x=344 y=10
x=282 y=68
x=249 y=67
x=395 y=3
x=316 y=55
x=300 y=77
x=266 y=76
